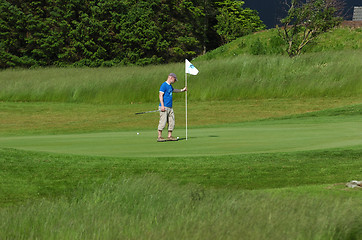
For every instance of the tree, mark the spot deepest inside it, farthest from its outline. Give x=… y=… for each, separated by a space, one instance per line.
x=112 y=32
x=306 y=20
x=233 y=21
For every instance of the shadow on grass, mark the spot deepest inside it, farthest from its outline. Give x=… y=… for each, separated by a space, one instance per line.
x=210 y=136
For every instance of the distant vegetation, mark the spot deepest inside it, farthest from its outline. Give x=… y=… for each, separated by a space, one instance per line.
x=113 y=32
x=269 y=43
x=306 y=20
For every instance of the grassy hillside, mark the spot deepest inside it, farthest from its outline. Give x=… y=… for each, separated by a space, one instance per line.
x=269 y=43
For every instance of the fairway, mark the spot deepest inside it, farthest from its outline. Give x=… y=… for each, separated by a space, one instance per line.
x=254 y=137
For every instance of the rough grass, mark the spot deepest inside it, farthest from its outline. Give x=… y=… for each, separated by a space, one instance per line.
x=312 y=75
x=151 y=208
x=329 y=74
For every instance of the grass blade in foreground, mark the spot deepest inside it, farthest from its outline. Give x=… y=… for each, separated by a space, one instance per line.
x=150 y=208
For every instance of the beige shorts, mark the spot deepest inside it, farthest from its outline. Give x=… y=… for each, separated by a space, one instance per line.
x=167 y=117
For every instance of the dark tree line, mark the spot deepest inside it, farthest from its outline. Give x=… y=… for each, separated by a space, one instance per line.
x=117 y=32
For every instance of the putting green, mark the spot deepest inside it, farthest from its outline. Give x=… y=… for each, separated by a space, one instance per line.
x=254 y=137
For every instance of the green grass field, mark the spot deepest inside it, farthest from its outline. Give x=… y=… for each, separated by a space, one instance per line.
x=274 y=177
x=269 y=161
x=255 y=137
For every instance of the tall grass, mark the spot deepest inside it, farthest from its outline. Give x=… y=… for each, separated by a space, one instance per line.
x=329 y=74
x=90 y=85
x=150 y=208
x=311 y=75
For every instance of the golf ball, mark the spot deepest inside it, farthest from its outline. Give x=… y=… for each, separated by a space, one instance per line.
x=138 y=133
x=177 y=137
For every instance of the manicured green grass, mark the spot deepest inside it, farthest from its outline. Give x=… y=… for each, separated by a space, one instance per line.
x=272 y=136
x=40 y=118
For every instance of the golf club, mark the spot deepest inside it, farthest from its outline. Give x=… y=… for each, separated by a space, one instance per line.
x=147 y=112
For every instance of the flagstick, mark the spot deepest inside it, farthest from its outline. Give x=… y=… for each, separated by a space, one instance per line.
x=186 y=101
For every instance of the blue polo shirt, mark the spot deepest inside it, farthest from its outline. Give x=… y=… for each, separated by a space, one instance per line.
x=167 y=89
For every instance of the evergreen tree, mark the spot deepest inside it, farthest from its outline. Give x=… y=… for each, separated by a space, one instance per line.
x=108 y=32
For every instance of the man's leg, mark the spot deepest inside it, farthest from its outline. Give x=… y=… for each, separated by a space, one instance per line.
x=171 y=125
x=161 y=124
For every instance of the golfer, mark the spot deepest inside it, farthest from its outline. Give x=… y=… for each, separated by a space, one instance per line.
x=165 y=107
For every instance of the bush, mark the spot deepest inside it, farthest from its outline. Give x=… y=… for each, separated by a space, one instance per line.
x=257 y=47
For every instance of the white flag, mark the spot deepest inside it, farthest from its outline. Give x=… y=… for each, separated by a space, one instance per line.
x=189 y=68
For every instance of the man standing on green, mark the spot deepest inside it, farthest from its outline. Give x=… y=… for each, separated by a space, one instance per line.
x=166 y=112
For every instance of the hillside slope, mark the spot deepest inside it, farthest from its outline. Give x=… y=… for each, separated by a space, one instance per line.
x=269 y=43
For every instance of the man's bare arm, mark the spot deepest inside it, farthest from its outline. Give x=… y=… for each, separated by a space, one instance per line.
x=180 y=90
x=160 y=96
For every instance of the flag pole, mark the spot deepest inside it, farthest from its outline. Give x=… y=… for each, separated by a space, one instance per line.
x=186 y=97
x=189 y=68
